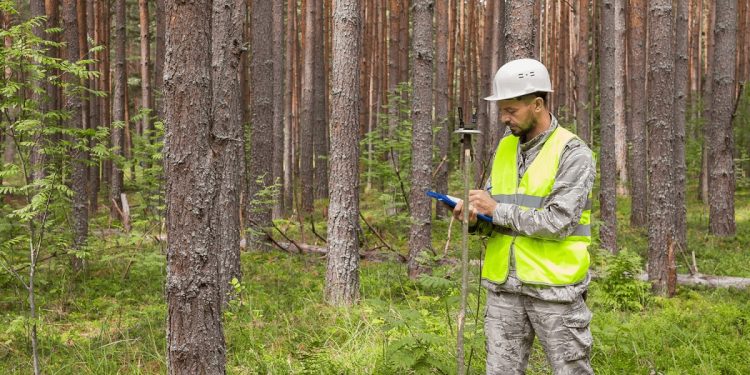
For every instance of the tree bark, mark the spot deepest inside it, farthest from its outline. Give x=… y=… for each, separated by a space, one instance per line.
x=682 y=86
x=118 y=109
x=94 y=102
x=660 y=120
x=621 y=151
x=342 y=276
x=73 y=105
x=420 y=238
x=289 y=105
x=145 y=61
x=608 y=163
x=306 y=110
x=485 y=83
x=496 y=128
x=638 y=142
x=442 y=137
x=721 y=184
x=583 y=104
x=227 y=44
x=159 y=59
x=259 y=173
x=320 y=112
x=707 y=98
x=36 y=158
x=195 y=339
x=519 y=30
x=279 y=89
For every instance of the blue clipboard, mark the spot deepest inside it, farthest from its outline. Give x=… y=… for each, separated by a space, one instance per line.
x=451 y=201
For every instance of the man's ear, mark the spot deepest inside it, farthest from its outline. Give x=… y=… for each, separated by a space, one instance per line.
x=538 y=104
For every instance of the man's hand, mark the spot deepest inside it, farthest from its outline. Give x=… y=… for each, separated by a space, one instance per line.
x=482 y=202
x=458 y=212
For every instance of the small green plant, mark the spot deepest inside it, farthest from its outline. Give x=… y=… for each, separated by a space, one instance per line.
x=622 y=290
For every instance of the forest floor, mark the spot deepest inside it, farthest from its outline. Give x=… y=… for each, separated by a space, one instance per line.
x=111 y=318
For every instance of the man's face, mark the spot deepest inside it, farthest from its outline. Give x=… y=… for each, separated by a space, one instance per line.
x=518 y=115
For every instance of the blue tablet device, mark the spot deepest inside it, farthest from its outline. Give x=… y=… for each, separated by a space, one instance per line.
x=451 y=201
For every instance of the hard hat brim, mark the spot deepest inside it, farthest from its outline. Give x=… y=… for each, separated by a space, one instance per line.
x=494 y=98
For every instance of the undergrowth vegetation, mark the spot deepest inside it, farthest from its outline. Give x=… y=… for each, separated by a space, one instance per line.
x=111 y=319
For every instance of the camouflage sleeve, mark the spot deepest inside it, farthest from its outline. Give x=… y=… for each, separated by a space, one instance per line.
x=562 y=209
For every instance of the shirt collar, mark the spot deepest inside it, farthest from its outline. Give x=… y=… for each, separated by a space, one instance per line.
x=542 y=137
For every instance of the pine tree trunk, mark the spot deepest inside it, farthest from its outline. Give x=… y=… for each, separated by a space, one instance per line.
x=719 y=133
x=708 y=84
x=682 y=86
x=159 y=59
x=306 y=110
x=660 y=122
x=227 y=130
x=73 y=105
x=496 y=128
x=485 y=148
x=118 y=110
x=583 y=126
x=342 y=276
x=289 y=105
x=442 y=137
x=279 y=89
x=103 y=26
x=145 y=61
x=195 y=338
x=519 y=30
x=259 y=172
x=94 y=105
x=320 y=112
x=637 y=140
x=621 y=151
x=36 y=158
x=420 y=238
x=608 y=161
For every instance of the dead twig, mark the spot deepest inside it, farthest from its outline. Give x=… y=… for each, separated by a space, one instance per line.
x=403 y=258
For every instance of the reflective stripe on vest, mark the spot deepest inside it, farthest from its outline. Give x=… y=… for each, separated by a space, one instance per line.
x=538 y=261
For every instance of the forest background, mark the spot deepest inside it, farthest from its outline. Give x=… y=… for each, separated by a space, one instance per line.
x=284 y=148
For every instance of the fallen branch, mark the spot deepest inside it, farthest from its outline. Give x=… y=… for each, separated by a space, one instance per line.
x=708 y=280
x=401 y=257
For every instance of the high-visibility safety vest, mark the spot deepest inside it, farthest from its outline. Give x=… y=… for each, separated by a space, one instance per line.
x=538 y=261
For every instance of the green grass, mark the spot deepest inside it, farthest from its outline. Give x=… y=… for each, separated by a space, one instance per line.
x=111 y=320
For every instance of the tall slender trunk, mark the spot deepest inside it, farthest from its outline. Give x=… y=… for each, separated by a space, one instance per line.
x=36 y=156
x=442 y=138
x=496 y=128
x=195 y=337
x=145 y=69
x=637 y=140
x=306 y=109
x=682 y=87
x=621 y=151
x=73 y=105
x=94 y=103
x=278 y=103
x=708 y=84
x=289 y=105
x=661 y=245
x=320 y=112
x=608 y=164
x=227 y=130
x=118 y=109
x=420 y=238
x=719 y=134
x=159 y=59
x=260 y=173
x=583 y=103
x=342 y=275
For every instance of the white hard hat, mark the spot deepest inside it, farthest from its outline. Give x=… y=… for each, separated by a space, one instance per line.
x=518 y=78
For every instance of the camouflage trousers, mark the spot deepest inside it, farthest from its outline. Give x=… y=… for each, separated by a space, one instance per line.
x=512 y=320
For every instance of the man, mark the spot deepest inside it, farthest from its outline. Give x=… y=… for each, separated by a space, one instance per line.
x=539 y=197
